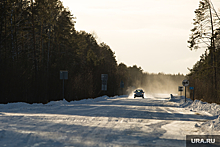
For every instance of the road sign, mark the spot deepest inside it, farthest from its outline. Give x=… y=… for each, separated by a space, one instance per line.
x=63 y=74
x=185 y=83
x=104 y=77
x=191 y=88
x=104 y=82
x=122 y=84
x=104 y=87
x=180 y=88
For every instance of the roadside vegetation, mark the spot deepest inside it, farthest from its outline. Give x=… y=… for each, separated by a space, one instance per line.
x=205 y=74
x=38 y=39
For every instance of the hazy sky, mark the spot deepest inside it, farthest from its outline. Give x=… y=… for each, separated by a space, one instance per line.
x=152 y=34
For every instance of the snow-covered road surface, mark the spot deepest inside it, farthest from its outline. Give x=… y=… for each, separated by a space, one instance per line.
x=101 y=122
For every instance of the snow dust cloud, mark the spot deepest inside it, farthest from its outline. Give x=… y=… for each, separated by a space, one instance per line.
x=157 y=85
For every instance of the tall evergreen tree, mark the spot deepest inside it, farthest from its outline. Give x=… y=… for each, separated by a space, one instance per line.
x=205 y=25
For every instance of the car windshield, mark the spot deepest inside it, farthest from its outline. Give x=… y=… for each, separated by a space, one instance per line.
x=139 y=90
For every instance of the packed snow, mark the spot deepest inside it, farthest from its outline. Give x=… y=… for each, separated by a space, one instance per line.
x=156 y=120
x=211 y=127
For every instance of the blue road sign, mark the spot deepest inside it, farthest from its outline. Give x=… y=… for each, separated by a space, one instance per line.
x=191 y=88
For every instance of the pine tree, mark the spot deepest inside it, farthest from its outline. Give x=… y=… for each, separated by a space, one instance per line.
x=205 y=25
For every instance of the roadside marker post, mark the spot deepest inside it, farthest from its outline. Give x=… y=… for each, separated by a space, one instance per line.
x=185 y=83
x=192 y=88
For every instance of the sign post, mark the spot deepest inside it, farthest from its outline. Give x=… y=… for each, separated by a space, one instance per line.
x=192 y=88
x=185 y=83
x=63 y=76
x=104 y=78
x=122 y=86
x=180 y=89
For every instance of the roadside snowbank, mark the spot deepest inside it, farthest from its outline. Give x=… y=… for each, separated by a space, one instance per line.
x=212 y=108
x=197 y=105
x=210 y=127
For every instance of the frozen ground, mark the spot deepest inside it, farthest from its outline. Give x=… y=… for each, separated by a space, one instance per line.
x=157 y=120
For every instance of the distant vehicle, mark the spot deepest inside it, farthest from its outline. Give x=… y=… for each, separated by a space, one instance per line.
x=139 y=93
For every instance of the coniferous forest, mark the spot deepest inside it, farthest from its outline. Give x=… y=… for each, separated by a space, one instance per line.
x=38 y=39
x=205 y=74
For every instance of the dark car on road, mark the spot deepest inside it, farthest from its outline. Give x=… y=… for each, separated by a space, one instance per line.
x=139 y=93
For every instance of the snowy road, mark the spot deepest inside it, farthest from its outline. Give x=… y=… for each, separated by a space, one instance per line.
x=104 y=121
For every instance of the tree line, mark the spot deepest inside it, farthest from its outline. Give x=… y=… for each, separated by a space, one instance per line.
x=151 y=83
x=205 y=75
x=38 y=39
